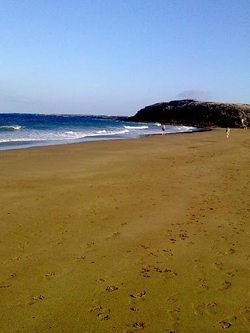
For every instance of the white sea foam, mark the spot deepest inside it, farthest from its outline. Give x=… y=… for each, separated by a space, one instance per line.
x=36 y=136
x=184 y=128
x=79 y=135
x=10 y=128
x=115 y=132
x=136 y=127
x=19 y=140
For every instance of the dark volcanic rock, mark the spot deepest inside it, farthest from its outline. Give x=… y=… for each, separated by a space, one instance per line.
x=194 y=113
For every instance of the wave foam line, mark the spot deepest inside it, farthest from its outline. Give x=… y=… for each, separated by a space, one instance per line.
x=136 y=127
x=69 y=135
x=10 y=128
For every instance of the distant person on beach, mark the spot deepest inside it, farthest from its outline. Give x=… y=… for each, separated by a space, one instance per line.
x=228 y=132
x=163 y=128
x=244 y=125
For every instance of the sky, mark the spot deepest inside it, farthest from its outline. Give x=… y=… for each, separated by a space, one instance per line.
x=114 y=57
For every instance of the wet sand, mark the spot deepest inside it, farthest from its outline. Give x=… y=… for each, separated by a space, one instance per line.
x=148 y=235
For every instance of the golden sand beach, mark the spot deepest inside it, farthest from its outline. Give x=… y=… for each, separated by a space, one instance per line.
x=148 y=235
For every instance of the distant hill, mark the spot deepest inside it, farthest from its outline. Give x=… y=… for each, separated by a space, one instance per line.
x=195 y=113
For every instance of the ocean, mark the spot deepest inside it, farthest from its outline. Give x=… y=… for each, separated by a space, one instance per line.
x=29 y=130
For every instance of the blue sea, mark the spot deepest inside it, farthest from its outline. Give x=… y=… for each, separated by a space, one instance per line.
x=29 y=130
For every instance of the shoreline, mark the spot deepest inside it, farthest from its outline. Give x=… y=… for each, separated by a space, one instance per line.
x=113 y=236
x=198 y=130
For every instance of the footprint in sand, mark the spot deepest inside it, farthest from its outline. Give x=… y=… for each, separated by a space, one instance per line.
x=96 y=308
x=170 y=272
x=123 y=224
x=104 y=316
x=203 y=286
x=175 y=312
x=232 y=273
x=231 y=250
x=212 y=308
x=138 y=295
x=90 y=244
x=225 y=285
x=114 y=235
x=101 y=313
x=49 y=275
x=172 y=299
x=218 y=265
x=168 y=252
x=183 y=235
x=145 y=272
x=145 y=247
x=134 y=309
x=138 y=324
x=101 y=280
x=111 y=288
x=81 y=258
x=172 y=240
x=4 y=286
x=199 y=309
x=225 y=324
x=36 y=299
x=153 y=254
x=158 y=270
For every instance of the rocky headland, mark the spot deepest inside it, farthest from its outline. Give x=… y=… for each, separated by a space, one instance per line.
x=195 y=113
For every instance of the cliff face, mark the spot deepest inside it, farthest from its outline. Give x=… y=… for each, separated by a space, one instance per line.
x=194 y=113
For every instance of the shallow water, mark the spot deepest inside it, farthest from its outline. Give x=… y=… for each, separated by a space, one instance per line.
x=27 y=130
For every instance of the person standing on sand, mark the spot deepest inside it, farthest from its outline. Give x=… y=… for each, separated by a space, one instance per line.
x=163 y=128
x=244 y=125
x=228 y=132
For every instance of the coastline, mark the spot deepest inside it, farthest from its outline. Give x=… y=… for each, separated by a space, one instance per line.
x=88 y=140
x=87 y=228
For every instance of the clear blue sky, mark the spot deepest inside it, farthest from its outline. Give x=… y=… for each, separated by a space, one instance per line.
x=116 y=56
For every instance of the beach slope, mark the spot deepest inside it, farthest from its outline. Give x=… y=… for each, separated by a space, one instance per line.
x=147 y=235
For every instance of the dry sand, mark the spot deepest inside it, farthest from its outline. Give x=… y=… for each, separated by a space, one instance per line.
x=117 y=236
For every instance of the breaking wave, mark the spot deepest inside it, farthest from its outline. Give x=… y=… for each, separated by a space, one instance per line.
x=136 y=127
x=7 y=128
